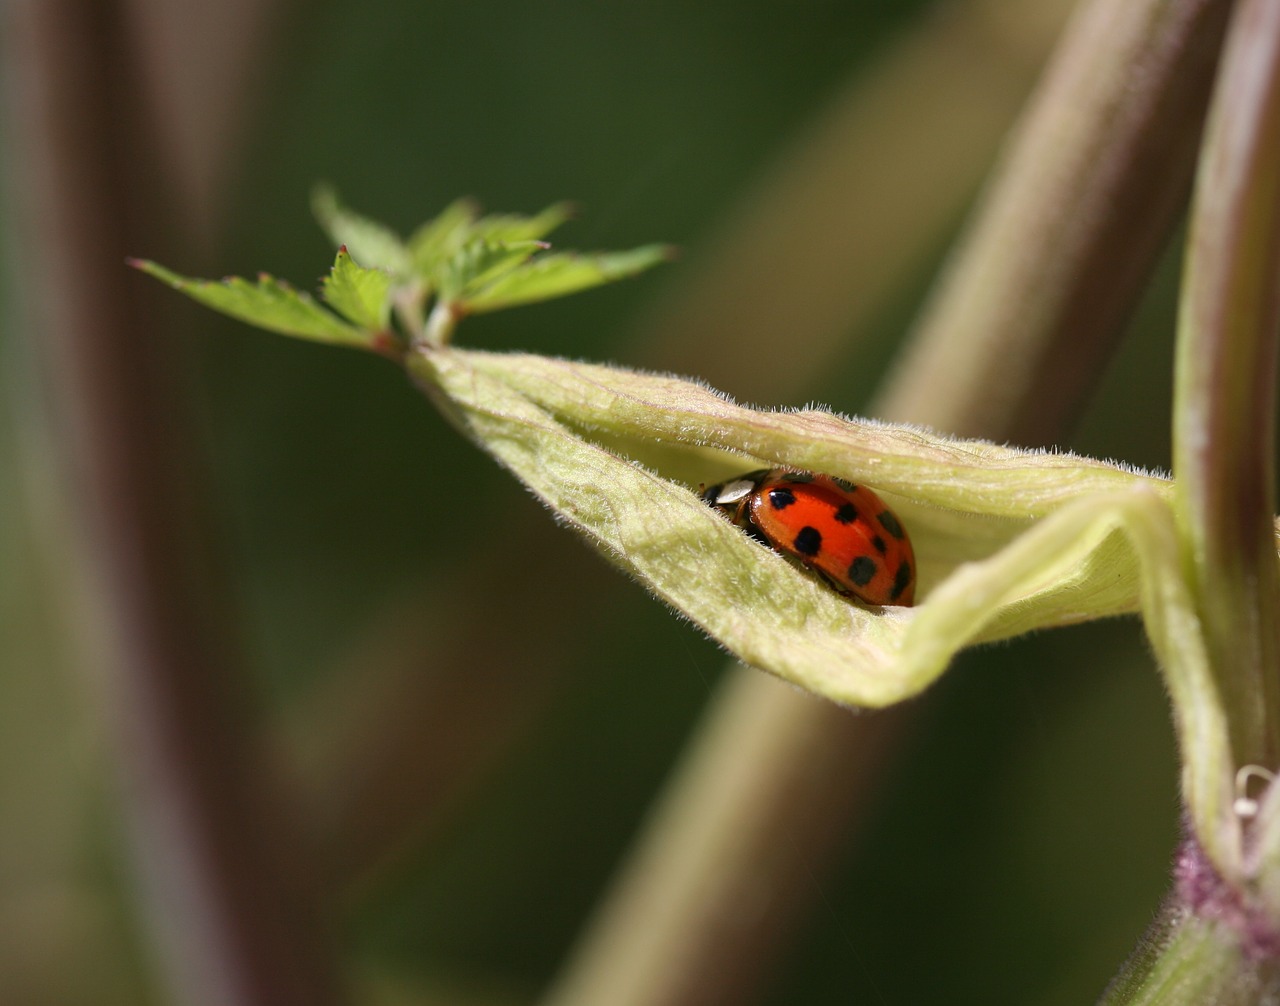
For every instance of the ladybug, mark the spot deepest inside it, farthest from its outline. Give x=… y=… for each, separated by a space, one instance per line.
x=841 y=531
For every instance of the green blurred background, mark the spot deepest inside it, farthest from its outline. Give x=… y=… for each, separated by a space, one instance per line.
x=1019 y=844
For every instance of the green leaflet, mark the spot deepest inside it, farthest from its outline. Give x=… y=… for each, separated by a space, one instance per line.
x=439 y=238
x=478 y=264
x=269 y=303
x=549 y=276
x=509 y=228
x=358 y=294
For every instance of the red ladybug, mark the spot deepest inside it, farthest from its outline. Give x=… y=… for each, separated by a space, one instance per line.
x=841 y=531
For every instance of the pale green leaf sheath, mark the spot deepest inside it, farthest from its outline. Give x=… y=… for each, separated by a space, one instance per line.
x=1007 y=541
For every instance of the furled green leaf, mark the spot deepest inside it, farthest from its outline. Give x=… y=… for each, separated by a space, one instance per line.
x=1007 y=541
x=361 y=295
x=372 y=243
x=269 y=303
x=963 y=501
x=556 y=275
x=964 y=476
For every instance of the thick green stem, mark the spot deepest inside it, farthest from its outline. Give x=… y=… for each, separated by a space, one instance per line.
x=1225 y=396
x=1197 y=962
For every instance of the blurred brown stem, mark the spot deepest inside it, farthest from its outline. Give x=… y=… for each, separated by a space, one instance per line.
x=1040 y=287
x=224 y=882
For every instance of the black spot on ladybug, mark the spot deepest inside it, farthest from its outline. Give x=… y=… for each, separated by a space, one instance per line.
x=878 y=544
x=800 y=477
x=890 y=523
x=780 y=499
x=901 y=580
x=847 y=513
x=862 y=570
x=808 y=541
x=845 y=484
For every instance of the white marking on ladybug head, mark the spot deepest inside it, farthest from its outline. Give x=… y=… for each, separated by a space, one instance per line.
x=734 y=491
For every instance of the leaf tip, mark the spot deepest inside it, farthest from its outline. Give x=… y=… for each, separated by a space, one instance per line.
x=567 y=208
x=323 y=195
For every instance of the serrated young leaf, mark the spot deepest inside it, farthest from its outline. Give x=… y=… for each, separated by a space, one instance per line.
x=269 y=303
x=372 y=243
x=550 y=276
x=361 y=295
x=478 y=263
x=438 y=239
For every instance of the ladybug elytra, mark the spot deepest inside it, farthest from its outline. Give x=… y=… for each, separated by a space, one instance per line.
x=841 y=531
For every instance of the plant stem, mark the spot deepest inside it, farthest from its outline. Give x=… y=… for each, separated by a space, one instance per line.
x=1224 y=439
x=441 y=322
x=1191 y=961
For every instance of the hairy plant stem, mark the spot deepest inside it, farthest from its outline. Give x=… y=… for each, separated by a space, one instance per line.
x=1192 y=960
